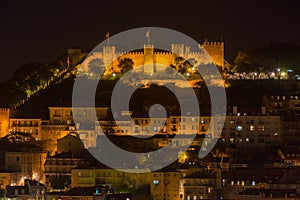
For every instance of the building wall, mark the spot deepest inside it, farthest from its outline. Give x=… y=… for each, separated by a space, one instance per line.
x=53 y=132
x=77 y=197
x=88 y=138
x=278 y=103
x=63 y=166
x=31 y=126
x=252 y=131
x=30 y=164
x=93 y=177
x=64 y=115
x=70 y=143
x=187 y=125
x=166 y=185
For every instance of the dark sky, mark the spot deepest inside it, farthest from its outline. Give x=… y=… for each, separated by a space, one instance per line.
x=40 y=31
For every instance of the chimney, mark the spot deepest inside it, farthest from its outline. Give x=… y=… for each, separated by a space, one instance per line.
x=263 y=110
x=234 y=110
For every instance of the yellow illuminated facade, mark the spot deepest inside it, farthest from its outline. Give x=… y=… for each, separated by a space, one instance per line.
x=4 y=121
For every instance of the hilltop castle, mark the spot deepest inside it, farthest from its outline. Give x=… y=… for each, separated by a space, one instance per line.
x=154 y=60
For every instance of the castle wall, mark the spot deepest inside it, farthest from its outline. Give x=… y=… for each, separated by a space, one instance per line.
x=111 y=58
x=163 y=59
x=137 y=57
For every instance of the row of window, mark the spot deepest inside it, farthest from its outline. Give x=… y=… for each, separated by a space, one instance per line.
x=25 y=123
x=62 y=162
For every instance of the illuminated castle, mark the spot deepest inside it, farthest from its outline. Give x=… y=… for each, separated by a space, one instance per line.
x=153 y=60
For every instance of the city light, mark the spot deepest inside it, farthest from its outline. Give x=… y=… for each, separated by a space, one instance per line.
x=104 y=137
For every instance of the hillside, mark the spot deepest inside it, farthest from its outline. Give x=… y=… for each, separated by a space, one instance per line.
x=269 y=58
x=36 y=86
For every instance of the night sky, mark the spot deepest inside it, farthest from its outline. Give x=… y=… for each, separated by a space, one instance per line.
x=40 y=31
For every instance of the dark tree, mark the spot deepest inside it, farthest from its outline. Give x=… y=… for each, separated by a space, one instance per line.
x=96 y=67
x=125 y=64
x=60 y=182
x=183 y=65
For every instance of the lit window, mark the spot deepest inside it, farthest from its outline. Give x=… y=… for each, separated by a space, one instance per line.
x=209 y=190
x=252 y=128
x=261 y=128
x=155 y=182
x=239 y=128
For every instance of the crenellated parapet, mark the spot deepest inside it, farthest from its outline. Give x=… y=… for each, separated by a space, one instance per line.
x=163 y=53
x=213 y=43
x=4 y=110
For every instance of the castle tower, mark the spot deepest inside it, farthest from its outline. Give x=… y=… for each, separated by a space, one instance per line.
x=178 y=49
x=4 y=121
x=74 y=55
x=109 y=57
x=187 y=50
x=216 y=51
x=148 y=59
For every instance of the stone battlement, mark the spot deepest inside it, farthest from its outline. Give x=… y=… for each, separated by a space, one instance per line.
x=213 y=43
x=163 y=53
x=4 y=110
